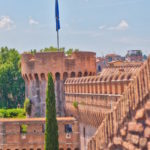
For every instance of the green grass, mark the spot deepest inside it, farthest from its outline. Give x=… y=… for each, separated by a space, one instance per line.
x=12 y=113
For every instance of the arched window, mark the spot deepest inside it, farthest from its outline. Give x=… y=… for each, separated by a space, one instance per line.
x=36 y=76
x=80 y=74
x=42 y=76
x=65 y=76
x=85 y=73
x=57 y=76
x=73 y=74
x=76 y=149
x=30 y=76
x=68 y=148
x=90 y=74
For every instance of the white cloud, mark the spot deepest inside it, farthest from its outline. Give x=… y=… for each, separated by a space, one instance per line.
x=102 y=27
x=33 y=22
x=123 y=25
x=6 y=23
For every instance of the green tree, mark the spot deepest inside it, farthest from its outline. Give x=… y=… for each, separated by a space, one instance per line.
x=11 y=83
x=51 y=132
x=52 y=49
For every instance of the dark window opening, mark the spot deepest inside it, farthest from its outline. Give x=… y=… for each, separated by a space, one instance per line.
x=73 y=74
x=80 y=74
x=99 y=68
x=68 y=128
x=84 y=132
x=57 y=76
x=86 y=74
x=65 y=76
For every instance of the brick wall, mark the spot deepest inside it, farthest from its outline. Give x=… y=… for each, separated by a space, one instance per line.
x=12 y=138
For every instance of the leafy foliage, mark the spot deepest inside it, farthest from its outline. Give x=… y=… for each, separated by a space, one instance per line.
x=27 y=106
x=51 y=132
x=53 y=49
x=75 y=104
x=12 y=113
x=11 y=83
x=24 y=128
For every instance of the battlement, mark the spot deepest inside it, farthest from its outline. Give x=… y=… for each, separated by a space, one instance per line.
x=35 y=69
x=38 y=65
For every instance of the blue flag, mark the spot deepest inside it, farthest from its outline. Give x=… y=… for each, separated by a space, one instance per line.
x=57 y=16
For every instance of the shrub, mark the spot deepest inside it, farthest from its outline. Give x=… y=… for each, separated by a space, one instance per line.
x=23 y=128
x=27 y=106
x=75 y=104
x=12 y=113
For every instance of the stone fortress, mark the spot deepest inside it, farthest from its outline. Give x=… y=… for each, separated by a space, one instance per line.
x=35 y=69
x=105 y=108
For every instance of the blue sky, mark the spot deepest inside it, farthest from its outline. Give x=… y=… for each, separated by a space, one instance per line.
x=103 y=26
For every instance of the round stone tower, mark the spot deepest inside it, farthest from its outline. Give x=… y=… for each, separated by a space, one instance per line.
x=35 y=68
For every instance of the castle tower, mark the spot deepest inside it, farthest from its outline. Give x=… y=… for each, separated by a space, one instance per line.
x=35 y=68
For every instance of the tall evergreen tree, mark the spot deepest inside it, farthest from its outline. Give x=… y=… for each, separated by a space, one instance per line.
x=51 y=133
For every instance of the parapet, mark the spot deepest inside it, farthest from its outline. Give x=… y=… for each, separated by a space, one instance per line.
x=40 y=64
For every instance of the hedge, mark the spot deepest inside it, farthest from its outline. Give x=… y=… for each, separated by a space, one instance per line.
x=12 y=113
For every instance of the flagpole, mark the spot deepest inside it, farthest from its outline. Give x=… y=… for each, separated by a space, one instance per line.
x=58 y=40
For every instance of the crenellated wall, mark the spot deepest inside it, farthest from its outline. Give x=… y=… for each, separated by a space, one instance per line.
x=100 y=92
x=96 y=96
x=137 y=93
x=35 y=68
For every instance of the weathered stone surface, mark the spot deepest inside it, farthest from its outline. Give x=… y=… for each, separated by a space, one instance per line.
x=147 y=132
x=110 y=145
x=128 y=146
x=140 y=114
x=135 y=127
x=123 y=131
x=128 y=138
x=147 y=105
x=148 y=145
x=143 y=142
x=147 y=122
x=134 y=139
x=117 y=140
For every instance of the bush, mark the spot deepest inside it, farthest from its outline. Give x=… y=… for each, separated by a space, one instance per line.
x=12 y=113
x=27 y=106
x=75 y=104
x=24 y=128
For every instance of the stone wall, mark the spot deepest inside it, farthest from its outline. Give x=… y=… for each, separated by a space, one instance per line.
x=136 y=94
x=135 y=132
x=12 y=137
x=35 y=68
x=86 y=132
x=97 y=94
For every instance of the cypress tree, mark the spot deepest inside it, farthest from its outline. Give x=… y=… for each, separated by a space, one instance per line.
x=51 y=132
